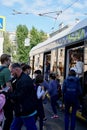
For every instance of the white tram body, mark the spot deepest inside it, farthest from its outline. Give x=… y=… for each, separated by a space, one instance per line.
x=57 y=50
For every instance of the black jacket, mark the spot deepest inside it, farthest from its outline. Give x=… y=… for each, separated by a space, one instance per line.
x=23 y=96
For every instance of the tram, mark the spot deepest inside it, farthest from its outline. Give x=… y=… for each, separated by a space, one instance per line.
x=56 y=52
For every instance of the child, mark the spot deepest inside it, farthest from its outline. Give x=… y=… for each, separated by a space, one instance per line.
x=45 y=85
x=53 y=92
x=2 y=103
x=40 y=94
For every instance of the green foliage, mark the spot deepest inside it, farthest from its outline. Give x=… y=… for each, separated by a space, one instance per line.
x=36 y=37
x=22 y=51
x=6 y=44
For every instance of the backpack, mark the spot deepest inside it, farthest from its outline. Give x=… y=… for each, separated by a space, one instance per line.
x=2 y=67
x=71 y=89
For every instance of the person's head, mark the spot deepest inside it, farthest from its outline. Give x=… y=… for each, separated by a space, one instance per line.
x=76 y=57
x=16 y=70
x=57 y=76
x=26 y=69
x=52 y=76
x=39 y=79
x=5 y=59
x=72 y=72
x=37 y=72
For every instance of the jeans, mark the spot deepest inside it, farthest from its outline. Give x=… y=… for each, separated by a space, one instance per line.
x=73 y=116
x=28 y=122
x=54 y=103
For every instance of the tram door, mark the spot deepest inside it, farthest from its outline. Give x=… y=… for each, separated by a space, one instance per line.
x=46 y=65
x=84 y=108
x=70 y=61
x=85 y=68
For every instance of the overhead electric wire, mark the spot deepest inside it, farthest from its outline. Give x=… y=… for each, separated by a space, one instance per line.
x=70 y=5
x=58 y=13
x=64 y=11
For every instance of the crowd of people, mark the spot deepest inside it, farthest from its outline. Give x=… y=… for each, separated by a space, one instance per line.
x=21 y=98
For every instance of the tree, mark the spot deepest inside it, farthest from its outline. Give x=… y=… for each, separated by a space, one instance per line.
x=36 y=37
x=6 y=44
x=22 y=50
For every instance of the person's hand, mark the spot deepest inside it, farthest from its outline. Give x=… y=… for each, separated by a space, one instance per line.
x=42 y=87
x=6 y=89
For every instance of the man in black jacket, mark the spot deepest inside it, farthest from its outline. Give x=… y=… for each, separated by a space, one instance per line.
x=23 y=98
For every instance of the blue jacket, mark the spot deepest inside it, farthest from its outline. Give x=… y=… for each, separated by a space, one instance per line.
x=53 y=88
x=71 y=88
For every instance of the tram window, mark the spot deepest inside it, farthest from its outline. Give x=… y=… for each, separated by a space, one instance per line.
x=53 y=61
x=85 y=58
x=40 y=66
x=85 y=68
x=54 y=68
x=61 y=68
x=60 y=63
x=73 y=53
x=47 y=66
x=61 y=52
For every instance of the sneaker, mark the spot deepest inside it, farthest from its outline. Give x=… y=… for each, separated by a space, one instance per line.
x=54 y=116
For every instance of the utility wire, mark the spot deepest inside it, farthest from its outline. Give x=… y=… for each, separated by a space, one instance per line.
x=70 y=5
x=64 y=11
x=58 y=12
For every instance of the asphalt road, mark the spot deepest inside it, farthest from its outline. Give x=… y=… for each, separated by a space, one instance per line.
x=58 y=123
